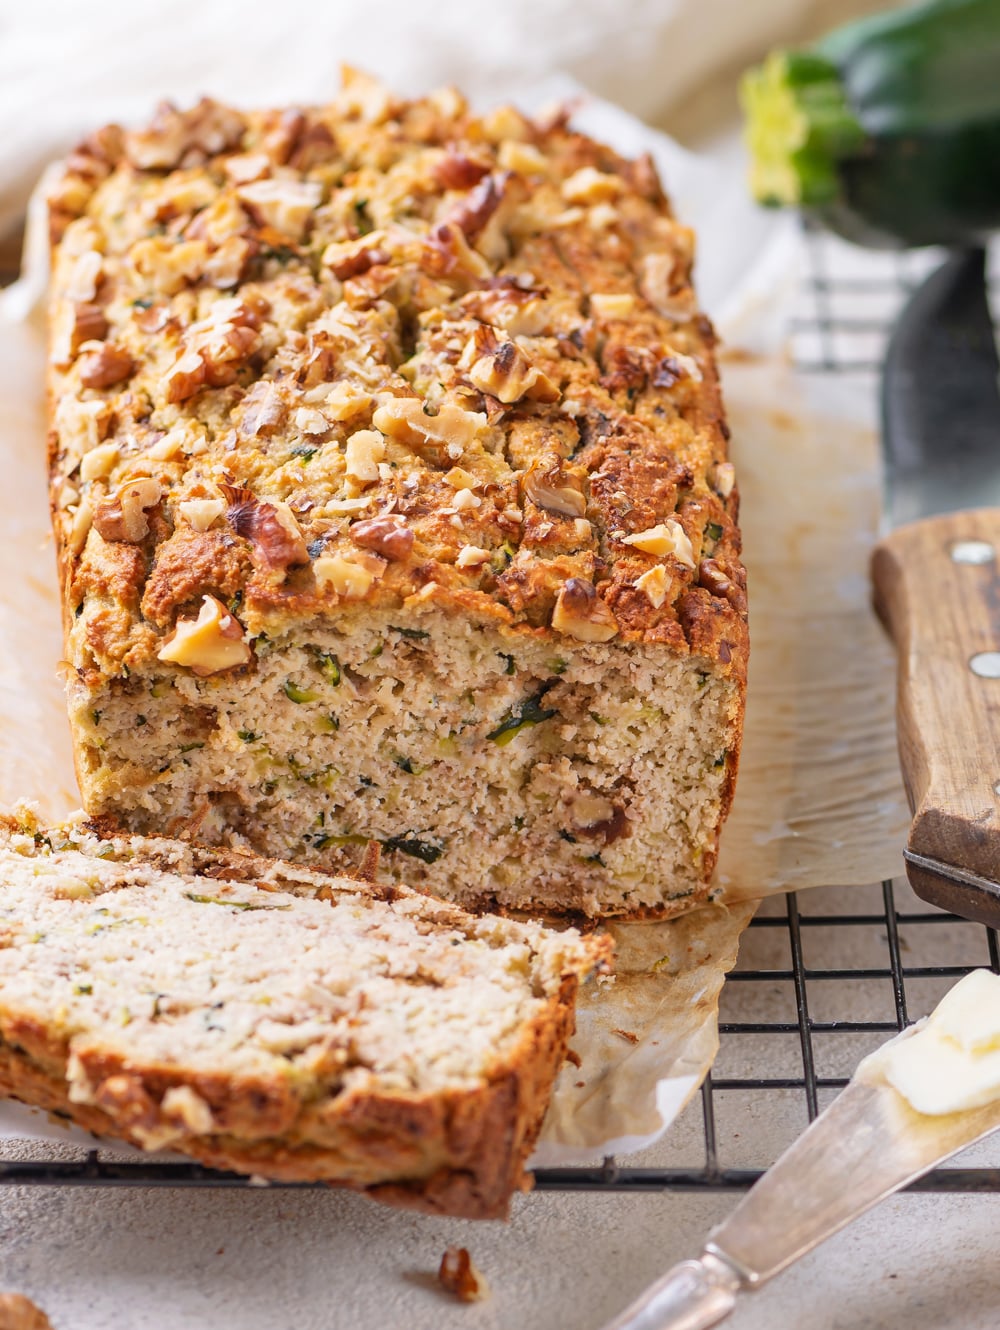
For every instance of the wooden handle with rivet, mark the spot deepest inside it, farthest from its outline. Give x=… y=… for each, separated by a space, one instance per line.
x=937 y=590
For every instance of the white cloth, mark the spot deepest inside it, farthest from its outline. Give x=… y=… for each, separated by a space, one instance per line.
x=67 y=66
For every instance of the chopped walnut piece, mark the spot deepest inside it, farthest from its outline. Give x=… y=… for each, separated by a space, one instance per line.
x=85 y=274
x=351 y=258
x=243 y=167
x=459 y=1276
x=669 y=295
x=654 y=584
x=263 y=409
x=169 y=266
x=310 y=421
x=471 y=556
x=579 y=612
x=523 y=158
x=185 y=377
x=187 y=1107
x=363 y=452
x=363 y=96
x=99 y=461
x=723 y=478
x=105 y=366
x=275 y=537
x=460 y=479
x=176 y=138
x=475 y=210
x=349 y=578
x=450 y=432
x=201 y=513
x=287 y=205
x=589 y=185
x=387 y=536
x=212 y=642
x=555 y=490
x=225 y=266
x=456 y=170
x=589 y=810
x=668 y=537
x=79 y=529
x=75 y=325
x=614 y=306
x=122 y=516
x=501 y=368
x=718 y=583
x=345 y=400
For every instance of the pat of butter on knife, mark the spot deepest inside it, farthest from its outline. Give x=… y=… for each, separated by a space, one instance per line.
x=950 y=1061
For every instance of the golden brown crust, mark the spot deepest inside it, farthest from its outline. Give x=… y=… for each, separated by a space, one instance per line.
x=481 y=327
x=459 y=1154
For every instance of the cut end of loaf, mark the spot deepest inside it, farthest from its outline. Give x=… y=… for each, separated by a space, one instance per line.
x=491 y=768
x=277 y=1021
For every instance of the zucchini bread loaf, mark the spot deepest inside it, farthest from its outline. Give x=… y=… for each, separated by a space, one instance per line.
x=277 y=1021
x=392 y=500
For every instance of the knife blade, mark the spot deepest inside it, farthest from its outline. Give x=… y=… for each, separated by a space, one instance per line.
x=867 y=1145
x=936 y=580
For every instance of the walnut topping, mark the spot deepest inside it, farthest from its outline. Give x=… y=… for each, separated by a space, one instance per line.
x=471 y=215
x=185 y=377
x=345 y=400
x=589 y=810
x=364 y=450
x=460 y=479
x=75 y=325
x=105 y=366
x=122 y=516
x=351 y=258
x=310 y=421
x=579 y=612
x=502 y=369
x=349 y=578
x=287 y=205
x=212 y=642
x=471 y=556
x=274 y=534
x=450 y=432
x=388 y=536
x=668 y=292
x=459 y=1276
x=201 y=513
x=666 y=538
x=456 y=170
x=723 y=478
x=590 y=186
x=243 y=167
x=188 y=1108
x=615 y=306
x=718 y=583
x=216 y=348
x=263 y=409
x=176 y=138
x=99 y=461
x=555 y=490
x=522 y=157
x=654 y=584
x=84 y=276
x=225 y=266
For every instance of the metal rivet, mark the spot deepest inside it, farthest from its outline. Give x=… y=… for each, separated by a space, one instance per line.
x=972 y=551
x=986 y=664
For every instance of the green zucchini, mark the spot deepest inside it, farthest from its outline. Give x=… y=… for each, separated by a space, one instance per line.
x=888 y=130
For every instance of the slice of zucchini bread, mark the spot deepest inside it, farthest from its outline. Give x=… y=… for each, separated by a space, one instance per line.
x=278 y=1021
x=392 y=500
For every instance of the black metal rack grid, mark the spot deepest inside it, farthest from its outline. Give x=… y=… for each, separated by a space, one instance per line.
x=840 y=330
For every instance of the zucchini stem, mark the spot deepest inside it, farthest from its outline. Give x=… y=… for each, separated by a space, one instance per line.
x=799 y=127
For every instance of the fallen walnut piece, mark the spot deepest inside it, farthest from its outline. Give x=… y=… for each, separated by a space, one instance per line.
x=459 y=1276
x=19 y=1313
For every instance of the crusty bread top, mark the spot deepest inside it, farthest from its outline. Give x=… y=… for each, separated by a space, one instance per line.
x=382 y=352
x=163 y=953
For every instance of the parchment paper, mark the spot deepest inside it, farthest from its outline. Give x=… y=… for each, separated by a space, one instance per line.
x=819 y=798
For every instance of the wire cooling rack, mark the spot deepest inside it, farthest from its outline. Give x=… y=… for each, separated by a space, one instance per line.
x=822 y=977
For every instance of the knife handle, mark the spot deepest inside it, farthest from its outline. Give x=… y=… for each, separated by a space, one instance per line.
x=937 y=590
x=694 y=1295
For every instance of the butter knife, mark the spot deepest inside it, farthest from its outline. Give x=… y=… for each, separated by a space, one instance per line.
x=937 y=584
x=867 y=1145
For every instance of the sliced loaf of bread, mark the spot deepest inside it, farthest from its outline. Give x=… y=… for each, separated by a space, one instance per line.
x=277 y=1021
